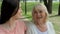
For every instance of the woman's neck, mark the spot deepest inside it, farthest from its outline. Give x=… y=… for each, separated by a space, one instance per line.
x=42 y=27
x=40 y=22
x=9 y=24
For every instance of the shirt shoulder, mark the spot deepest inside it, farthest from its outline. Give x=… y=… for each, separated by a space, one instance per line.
x=50 y=27
x=21 y=24
x=2 y=31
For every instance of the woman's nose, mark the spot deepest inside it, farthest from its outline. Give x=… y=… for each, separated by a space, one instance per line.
x=38 y=14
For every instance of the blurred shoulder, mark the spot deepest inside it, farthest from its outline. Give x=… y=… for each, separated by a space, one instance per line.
x=30 y=25
x=19 y=21
x=2 y=31
x=50 y=27
x=49 y=23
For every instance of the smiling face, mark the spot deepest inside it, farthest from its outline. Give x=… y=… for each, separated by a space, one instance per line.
x=39 y=14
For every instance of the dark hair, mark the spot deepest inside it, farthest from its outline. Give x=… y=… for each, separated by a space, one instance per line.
x=7 y=9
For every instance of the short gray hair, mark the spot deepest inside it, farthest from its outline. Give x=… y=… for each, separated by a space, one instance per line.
x=43 y=6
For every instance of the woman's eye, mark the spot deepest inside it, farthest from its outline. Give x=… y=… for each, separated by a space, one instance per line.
x=40 y=11
x=35 y=12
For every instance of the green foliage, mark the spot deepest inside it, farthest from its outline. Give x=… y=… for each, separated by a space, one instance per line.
x=29 y=6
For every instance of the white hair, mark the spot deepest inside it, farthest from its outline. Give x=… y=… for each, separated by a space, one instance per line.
x=42 y=6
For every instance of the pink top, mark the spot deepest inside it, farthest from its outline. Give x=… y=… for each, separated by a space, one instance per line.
x=18 y=29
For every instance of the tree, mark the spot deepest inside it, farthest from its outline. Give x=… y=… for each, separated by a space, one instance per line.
x=25 y=8
x=59 y=9
x=40 y=1
x=23 y=0
x=48 y=4
x=35 y=0
x=45 y=2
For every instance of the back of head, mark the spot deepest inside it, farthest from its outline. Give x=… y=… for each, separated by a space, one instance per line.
x=7 y=9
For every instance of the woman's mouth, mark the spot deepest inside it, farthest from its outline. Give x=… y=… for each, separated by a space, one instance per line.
x=39 y=17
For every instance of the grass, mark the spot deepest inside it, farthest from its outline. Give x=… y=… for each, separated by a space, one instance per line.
x=56 y=22
x=52 y=17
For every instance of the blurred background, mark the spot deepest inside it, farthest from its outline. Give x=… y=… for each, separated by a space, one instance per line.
x=53 y=7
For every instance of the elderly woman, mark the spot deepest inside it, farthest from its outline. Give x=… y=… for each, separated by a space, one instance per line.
x=40 y=23
x=10 y=15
